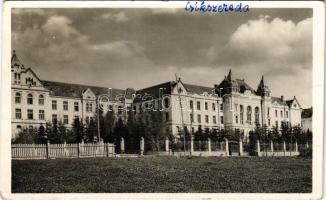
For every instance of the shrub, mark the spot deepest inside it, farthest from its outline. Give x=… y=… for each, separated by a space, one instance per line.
x=305 y=153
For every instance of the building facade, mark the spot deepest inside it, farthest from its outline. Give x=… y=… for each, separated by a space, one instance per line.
x=232 y=104
x=307 y=119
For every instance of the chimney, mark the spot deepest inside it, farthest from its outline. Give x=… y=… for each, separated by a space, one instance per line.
x=282 y=98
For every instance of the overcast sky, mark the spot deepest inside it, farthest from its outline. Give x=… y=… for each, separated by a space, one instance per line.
x=137 y=48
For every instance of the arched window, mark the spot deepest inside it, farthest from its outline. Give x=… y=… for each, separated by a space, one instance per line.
x=87 y=107
x=29 y=99
x=256 y=115
x=166 y=103
x=41 y=100
x=17 y=97
x=249 y=115
x=241 y=114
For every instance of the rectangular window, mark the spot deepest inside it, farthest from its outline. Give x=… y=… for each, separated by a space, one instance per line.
x=269 y=122
x=54 y=105
x=191 y=103
x=214 y=119
x=29 y=114
x=213 y=107
x=198 y=118
x=221 y=107
x=287 y=114
x=236 y=119
x=275 y=113
x=65 y=119
x=90 y=107
x=54 y=118
x=41 y=114
x=206 y=119
x=206 y=106
x=198 y=105
x=222 y=122
x=65 y=105
x=18 y=113
x=268 y=111
x=191 y=117
x=281 y=113
x=17 y=98
x=76 y=106
x=167 y=116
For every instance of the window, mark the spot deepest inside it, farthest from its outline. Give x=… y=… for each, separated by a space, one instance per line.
x=19 y=128
x=90 y=107
x=213 y=107
x=41 y=114
x=268 y=111
x=275 y=113
x=54 y=105
x=76 y=107
x=269 y=122
x=206 y=106
x=65 y=119
x=87 y=107
x=198 y=105
x=214 y=119
x=256 y=115
x=41 y=100
x=236 y=119
x=54 y=118
x=18 y=113
x=29 y=99
x=221 y=107
x=206 y=119
x=249 y=115
x=191 y=117
x=167 y=116
x=87 y=120
x=287 y=114
x=191 y=104
x=198 y=118
x=29 y=114
x=111 y=107
x=166 y=103
x=281 y=112
x=222 y=120
x=17 y=98
x=120 y=110
x=65 y=105
x=241 y=114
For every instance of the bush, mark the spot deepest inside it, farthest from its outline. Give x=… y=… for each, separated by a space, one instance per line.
x=305 y=153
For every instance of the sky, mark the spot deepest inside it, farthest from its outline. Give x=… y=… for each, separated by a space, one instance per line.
x=141 y=47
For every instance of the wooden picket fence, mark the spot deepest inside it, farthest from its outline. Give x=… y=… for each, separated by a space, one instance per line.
x=49 y=151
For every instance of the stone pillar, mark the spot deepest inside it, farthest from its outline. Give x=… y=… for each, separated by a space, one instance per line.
x=167 y=146
x=284 y=147
x=240 y=148
x=258 y=148
x=122 y=145
x=227 y=147
x=191 y=144
x=272 y=147
x=209 y=145
x=142 y=146
x=296 y=146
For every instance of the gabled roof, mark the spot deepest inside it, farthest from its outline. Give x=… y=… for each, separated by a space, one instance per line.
x=306 y=113
x=29 y=69
x=279 y=101
x=154 y=91
x=196 y=89
x=243 y=85
x=76 y=90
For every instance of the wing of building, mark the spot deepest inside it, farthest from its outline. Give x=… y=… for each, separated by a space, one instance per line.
x=231 y=104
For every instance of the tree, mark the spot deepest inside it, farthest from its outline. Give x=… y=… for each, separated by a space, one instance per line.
x=77 y=133
x=106 y=126
x=40 y=137
x=91 y=130
x=54 y=135
x=26 y=136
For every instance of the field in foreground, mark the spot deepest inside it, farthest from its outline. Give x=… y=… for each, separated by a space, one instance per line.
x=163 y=174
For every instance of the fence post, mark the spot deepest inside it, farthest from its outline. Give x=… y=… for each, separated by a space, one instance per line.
x=272 y=147
x=284 y=147
x=296 y=146
x=122 y=145
x=167 y=147
x=64 y=148
x=142 y=146
x=226 y=147
x=78 y=149
x=191 y=144
x=258 y=147
x=47 y=149
x=307 y=145
x=209 y=144
x=240 y=148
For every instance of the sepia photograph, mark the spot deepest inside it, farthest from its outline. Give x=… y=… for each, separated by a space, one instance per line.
x=206 y=97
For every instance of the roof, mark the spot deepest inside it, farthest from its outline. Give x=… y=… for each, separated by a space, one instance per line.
x=306 y=113
x=243 y=85
x=196 y=89
x=278 y=100
x=76 y=90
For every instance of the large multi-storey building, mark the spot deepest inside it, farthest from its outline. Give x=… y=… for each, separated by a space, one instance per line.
x=232 y=104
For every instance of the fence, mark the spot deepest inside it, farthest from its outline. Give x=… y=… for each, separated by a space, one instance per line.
x=48 y=151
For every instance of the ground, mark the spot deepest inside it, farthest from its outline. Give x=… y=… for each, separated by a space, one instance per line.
x=163 y=174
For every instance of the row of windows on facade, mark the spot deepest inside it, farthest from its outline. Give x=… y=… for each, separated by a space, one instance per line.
x=257 y=111
x=198 y=106
x=206 y=119
x=89 y=106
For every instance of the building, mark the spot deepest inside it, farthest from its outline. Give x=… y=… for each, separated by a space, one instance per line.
x=306 y=117
x=232 y=104
x=36 y=102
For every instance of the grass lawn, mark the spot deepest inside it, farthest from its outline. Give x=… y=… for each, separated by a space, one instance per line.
x=163 y=174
